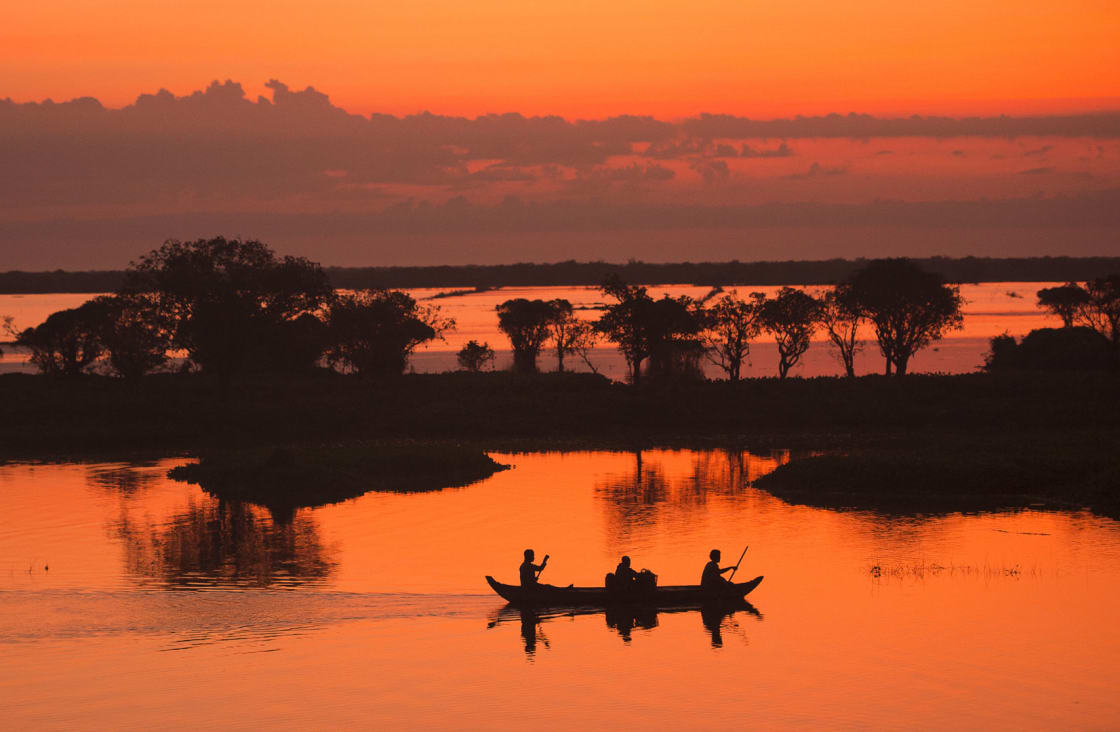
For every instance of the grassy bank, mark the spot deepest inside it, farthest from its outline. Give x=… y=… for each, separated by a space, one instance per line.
x=293 y=477
x=1072 y=470
x=922 y=443
x=176 y=413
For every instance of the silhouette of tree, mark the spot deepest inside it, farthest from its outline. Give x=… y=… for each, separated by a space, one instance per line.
x=68 y=342
x=134 y=334
x=1065 y=301
x=908 y=307
x=296 y=346
x=791 y=316
x=1101 y=312
x=373 y=332
x=571 y=335
x=729 y=327
x=475 y=356
x=841 y=318
x=528 y=324
x=661 y=330
x=1077 y=348
x=226 y=298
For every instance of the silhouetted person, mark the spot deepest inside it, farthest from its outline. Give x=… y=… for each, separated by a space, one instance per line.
x=529 y=571
x=624 y=575
x=712 y=579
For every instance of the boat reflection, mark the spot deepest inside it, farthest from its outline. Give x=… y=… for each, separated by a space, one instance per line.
x=623 y=620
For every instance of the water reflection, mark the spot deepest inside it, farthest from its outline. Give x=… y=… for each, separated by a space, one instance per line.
x=225 y=543
x=677 y=485
x=714 y=620
x=127 y=478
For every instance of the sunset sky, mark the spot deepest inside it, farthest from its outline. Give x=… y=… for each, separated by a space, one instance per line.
x=649 y=144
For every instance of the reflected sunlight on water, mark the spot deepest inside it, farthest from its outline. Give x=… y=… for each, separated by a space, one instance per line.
x=126 y=597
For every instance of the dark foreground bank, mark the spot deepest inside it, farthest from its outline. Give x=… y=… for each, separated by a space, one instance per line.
x=1053 y=435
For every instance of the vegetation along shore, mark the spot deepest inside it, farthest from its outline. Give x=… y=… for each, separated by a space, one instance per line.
x=277 y=363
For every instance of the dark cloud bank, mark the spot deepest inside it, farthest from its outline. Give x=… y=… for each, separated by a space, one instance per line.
x=219 y=150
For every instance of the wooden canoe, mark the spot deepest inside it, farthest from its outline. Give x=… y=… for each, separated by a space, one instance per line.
x=667 y=596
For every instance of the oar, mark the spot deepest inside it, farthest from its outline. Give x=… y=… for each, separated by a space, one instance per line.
x=542 y=569
x=738 y=563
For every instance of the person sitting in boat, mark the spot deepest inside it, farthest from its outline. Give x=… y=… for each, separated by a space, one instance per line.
x=529 y=571
x=624 y=575
x=712 y=572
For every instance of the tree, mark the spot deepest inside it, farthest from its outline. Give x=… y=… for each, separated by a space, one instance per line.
x=373 y=332
x=528 y=324
x=68 y=342
x=662 y=331
x=908 y=307
x=729 y=327
x=570 y=334
x=841 y=318
x=226 y=299
x=1101 y=311
x=475 y=356
x=1051 y=349
x=791 y=316
x=134 y=334
x=1065 y=301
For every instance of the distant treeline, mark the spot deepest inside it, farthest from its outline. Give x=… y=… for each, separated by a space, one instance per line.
x=824 y=272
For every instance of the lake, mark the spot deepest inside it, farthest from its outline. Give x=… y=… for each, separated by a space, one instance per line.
x=990 y=309
x=128 y=600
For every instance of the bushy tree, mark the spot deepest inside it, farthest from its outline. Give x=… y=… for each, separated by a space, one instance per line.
x=908 y=307
x=663 y=331
x=1101 y=311
x=730 y=324
x=841 y=318
x=475 y=356
x=68 y=342
x=226 y=299
x=1051 y=349
x=570 y=334
x=528 y=324
x=373 y=332
x=1065 y=301
x=791 y=316
x=134 y=334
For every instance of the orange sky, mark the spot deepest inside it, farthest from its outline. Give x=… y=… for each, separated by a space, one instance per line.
x=581 y=58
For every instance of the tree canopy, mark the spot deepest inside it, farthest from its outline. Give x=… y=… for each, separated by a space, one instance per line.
x=227 y=299
x=908 y=307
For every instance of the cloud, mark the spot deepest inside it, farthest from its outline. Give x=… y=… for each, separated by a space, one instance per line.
x=460 y=231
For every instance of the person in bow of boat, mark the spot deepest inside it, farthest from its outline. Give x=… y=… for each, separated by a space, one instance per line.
x=712 y=577
x=529 y=571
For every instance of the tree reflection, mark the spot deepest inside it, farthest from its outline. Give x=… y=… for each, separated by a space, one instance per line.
x=216 y=543
x=665 y=485
x=127 y=478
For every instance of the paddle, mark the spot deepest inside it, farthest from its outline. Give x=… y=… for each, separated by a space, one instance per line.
x=738 y=563
x=544 y=564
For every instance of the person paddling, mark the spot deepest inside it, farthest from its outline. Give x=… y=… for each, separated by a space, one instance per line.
x=712 y=578
x=529 y=571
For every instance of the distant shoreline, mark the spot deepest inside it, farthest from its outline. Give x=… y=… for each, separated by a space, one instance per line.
x=579 y=274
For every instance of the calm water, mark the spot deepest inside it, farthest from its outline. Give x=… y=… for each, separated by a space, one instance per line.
x=131 y=601
x=991 y=309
